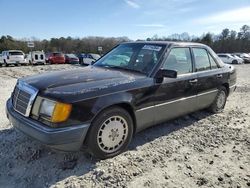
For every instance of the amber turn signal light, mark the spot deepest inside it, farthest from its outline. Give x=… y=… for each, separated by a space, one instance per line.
x=61 y=112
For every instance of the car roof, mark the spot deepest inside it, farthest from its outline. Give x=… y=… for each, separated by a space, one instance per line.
x=168 y=43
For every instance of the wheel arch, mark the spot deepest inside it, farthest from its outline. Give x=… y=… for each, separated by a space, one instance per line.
x=126 y=106
x=226 y=85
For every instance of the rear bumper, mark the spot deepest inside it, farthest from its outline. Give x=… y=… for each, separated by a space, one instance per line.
x=66 y=139
x=16 y=62
x=11 y=62
x=38 y=62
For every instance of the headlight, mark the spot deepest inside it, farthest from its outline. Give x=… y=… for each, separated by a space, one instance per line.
x=55 y=111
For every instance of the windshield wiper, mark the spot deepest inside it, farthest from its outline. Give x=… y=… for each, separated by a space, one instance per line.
x=124 y=68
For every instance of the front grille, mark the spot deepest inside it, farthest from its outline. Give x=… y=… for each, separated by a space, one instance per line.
x=23 y=98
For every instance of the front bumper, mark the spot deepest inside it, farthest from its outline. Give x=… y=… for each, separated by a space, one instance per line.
x=65 y=139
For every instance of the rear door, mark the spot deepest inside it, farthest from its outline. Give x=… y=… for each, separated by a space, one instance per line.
x=177 y=96
x=210 y=76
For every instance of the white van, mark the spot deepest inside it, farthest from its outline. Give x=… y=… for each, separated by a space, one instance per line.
x=14 y=57
x=36 y=57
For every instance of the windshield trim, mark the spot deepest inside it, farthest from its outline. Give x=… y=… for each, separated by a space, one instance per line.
x=133 y=58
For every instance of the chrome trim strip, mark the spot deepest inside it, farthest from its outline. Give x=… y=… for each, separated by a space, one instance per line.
x=32 y=91
x=207 y=92
x=176 y=100
x=233 y=86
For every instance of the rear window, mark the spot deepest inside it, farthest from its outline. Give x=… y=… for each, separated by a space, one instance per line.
x=16 y=53
x=58 y=54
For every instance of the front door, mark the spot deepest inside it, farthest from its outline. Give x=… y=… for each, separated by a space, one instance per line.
x=177 y=96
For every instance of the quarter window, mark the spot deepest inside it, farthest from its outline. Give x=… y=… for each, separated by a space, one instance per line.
x=201 y=59
x=213 y=63
x=179 y=59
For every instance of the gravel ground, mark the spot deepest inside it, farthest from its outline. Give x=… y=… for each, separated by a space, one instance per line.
x=197 y=150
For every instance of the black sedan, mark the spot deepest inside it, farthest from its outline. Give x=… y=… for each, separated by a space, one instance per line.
x=134 y=86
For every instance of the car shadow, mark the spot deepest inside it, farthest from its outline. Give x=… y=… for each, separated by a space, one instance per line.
x=27 y=163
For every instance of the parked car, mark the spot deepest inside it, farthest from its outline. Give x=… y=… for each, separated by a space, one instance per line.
x=36 y=57
x=71 y=58
x=230 y=59
x=14 y=57
x=80 y=57
x=1 y=60
x=244 y=56
x=240 y=59
x=100 y=107
x=56 y=58
x=89 y=59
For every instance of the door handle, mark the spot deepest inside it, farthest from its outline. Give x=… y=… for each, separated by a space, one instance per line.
x=219 y=75
x=193 y=81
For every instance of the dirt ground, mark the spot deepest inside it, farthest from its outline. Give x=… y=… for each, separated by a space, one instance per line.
x=197 y=150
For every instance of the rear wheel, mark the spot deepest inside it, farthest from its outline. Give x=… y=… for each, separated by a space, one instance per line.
x=220 y=101
x=110 y=133
x=234 y=62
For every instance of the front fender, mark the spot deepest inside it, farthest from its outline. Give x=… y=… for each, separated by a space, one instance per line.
x=104 y=102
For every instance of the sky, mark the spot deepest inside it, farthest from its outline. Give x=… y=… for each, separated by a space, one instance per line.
x=136 y=19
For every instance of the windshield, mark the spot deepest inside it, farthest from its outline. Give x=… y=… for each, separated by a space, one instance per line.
x=95 y=56
x=58 y=54
x=71 y=55
x=133 y=57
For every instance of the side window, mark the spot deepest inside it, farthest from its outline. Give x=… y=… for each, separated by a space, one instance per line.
x=212 y=62
x=179 y=59
x=201 y=59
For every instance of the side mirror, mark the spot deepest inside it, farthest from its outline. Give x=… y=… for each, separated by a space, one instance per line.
x=161 y=73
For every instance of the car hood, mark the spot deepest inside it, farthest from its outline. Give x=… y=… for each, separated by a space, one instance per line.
x=80 y=81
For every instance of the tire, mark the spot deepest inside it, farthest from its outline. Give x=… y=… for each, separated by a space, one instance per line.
x=234 y=62
x=220 y=101
x=5 y=63
x=104 y=140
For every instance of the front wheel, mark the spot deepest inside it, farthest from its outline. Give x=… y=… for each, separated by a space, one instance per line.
x=5 y=63
x=110 y=133
x=220 y=101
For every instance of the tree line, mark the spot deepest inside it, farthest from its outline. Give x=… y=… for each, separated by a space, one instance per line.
x=227 y=41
